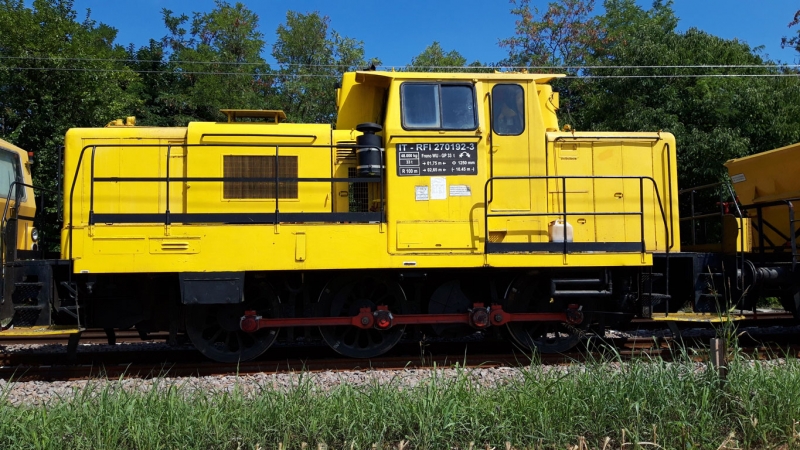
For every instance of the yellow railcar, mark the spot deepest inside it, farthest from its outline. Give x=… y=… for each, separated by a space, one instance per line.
x=437 y=199
x=19 y=209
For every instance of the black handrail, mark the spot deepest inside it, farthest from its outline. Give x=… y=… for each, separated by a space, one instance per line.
x=17 y=200
x=791 y=238
x=564 y=213
x=168 y=179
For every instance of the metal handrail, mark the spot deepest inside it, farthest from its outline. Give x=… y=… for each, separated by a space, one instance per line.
x=564 y=213
x=168 y=179
x=791 y=239
x=16 y=210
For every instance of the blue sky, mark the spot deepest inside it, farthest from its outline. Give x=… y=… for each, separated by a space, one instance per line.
x=396 y=31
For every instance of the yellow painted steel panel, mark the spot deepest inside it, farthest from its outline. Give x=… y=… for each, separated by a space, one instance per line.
x=767 y=176
x=574 y=159
x=524 y=230
x=435 y=235
x=121 y=245
x=610 y=194
x=341 y=246
x=609 y=157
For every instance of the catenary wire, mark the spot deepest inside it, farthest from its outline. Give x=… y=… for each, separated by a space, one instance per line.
x=389 y=66
x=307 y=75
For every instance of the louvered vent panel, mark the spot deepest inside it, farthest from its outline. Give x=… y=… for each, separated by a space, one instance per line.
x=343 y=153
x=248 y=166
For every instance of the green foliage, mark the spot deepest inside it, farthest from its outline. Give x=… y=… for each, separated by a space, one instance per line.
x=312 y=59
x=671 y=405
x=215 y=63
x=793 y=41
x=435 y=59
x=715 y=116
x=562 y=35
x=641 y=74
x=57 y=73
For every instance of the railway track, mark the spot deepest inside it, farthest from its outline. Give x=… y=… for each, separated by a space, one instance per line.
x=96 y=360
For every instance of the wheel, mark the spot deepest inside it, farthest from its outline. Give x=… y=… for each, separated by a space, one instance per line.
x=214 y=329
x=344 y=297
x=527 y=294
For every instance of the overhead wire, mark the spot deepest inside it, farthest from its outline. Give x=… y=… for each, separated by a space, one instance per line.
x=396 y=66
x=786 y=70
x=312 y=75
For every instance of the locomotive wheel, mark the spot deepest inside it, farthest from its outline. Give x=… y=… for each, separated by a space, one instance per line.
x=214 y=329
x=526 y=294
x=344 y=297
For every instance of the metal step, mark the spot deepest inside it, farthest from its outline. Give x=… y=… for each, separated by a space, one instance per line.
x=696 y=317
x=30 y=307
x=52 y=330
x=655 y=296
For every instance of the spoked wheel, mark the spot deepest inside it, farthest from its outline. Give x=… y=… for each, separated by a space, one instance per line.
x=214 y=329
x=526 y=294
x=344 y=297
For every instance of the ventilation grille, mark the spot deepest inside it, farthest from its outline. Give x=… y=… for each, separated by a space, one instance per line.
x=358 y=193
x=240 y=166
x=343 y=153
x=497 y=236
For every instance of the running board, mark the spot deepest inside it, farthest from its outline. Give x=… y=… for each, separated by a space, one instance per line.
x=696 y=317
x=52 y=330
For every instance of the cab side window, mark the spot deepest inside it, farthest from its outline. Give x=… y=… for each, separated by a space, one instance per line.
x=508 y=109
x=10 y=171
x=434 y=106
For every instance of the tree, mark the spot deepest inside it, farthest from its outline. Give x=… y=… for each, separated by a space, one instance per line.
x=57 y=73
x=563 y=37
x=435 y=59
x=157 y=86
x=312 y=59
x=559 y=36
x=635 y=72
x=217 y=63
x=793 y=41
x=716 y=113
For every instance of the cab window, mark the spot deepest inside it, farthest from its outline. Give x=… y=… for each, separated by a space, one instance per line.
x=10 y=171
x=508 y=109
x=435 y=106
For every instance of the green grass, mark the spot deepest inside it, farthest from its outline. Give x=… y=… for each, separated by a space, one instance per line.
x=678 y=405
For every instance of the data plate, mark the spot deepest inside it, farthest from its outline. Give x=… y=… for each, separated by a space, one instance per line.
x=437 y=158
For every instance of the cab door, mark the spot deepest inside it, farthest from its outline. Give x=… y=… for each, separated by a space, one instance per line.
x=510 y=156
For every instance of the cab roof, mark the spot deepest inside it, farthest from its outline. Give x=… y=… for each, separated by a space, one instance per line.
x=379 y=77
x=9 y=146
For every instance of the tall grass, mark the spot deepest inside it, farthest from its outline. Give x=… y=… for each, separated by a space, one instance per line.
x=676 y=405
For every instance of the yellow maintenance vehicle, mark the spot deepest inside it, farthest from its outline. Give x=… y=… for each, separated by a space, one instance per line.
x=20 y=240
x=766 y=188
x=444 y=200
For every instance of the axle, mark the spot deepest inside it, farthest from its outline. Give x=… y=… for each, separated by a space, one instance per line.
x=478 y=317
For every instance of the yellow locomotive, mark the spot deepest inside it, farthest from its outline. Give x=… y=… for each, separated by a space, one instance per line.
x=442 y=200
